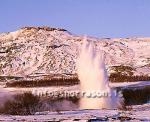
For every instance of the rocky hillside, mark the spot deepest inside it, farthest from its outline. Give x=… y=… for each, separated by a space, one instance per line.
x=45 y=51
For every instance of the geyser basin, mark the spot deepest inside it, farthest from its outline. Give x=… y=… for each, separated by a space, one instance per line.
x=132 y=96
x=93 y=77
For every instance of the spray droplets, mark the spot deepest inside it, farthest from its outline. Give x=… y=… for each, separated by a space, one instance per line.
x=93 y=77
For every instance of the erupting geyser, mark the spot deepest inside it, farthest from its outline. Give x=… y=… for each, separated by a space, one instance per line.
x=94 y=80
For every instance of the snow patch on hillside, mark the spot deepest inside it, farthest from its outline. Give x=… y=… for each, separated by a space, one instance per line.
x=32 y=50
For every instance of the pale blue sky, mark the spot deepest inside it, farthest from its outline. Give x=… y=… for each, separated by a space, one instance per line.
x=99 y=18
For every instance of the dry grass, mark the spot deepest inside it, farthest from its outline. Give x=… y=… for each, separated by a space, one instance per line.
x=71 y=81
x=125 y=78
x=42 y=83
x=22 y=104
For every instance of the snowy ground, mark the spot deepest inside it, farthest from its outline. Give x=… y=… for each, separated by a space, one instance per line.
x=138 y=84
x=138 y=113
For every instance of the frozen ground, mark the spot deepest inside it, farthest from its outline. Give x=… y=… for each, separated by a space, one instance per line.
x=138 y=84
x=138 y=113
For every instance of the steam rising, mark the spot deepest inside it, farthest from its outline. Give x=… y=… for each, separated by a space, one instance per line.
x=93 y=77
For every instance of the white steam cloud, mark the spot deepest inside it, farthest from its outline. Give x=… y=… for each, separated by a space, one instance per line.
x=93 y=78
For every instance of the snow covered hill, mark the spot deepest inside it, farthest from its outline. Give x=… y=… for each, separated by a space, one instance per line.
x=45 y=50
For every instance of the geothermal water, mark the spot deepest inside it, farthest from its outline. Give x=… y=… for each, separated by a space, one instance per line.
x=94 y=80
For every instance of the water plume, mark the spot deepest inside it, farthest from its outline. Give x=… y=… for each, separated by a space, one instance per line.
x=93 y=79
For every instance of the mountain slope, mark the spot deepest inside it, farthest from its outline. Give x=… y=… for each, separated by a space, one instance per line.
x=44 y=50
